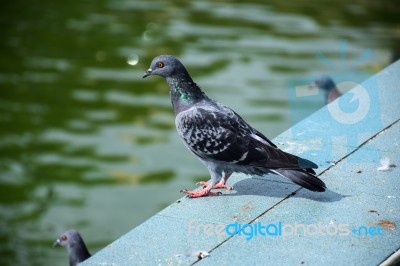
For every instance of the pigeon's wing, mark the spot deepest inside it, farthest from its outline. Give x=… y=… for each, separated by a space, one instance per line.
x=225 y=136
x=212 y=135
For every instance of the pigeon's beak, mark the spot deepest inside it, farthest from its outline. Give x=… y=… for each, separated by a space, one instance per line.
x=148 y=73
x=312 y=85
x=57 y=243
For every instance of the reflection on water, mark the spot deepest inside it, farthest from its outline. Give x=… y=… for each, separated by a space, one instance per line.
x=85 y=143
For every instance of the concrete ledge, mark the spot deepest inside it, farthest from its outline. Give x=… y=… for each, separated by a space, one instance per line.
x=359 y=196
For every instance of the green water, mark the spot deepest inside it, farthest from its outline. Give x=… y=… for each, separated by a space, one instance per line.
x=86 y=143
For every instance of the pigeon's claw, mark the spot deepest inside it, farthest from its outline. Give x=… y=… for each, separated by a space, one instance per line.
x=200 y=193
x=220 y=184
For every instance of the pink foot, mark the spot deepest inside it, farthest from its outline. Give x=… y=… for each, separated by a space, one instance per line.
x=220 y=184
x=200 y=193
x=206 y=191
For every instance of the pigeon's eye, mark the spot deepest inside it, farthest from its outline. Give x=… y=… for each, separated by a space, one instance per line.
x=160 y=64
x=64 y=237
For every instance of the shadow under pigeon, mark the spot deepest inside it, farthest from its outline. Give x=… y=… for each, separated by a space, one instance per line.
x=267 y=186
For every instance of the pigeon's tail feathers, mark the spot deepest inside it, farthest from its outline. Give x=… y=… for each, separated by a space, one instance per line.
x=304 y=163
x=304 y=178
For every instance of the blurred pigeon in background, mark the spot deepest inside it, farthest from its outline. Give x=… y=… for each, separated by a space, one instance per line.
x=221 y=139
x=326 y=84
x=75 y=246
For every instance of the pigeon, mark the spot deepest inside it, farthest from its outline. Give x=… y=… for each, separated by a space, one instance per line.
x=326 y=84
x=221 y=139
x=75 y=246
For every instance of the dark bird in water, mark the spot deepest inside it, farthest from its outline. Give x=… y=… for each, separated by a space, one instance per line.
x=75 y=246
x=328 y=86
x=221 y=139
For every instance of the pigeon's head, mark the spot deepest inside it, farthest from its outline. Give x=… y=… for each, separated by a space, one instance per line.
x=75 y=246
x=165 y=66
x=68 y=239
x=324 y=82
